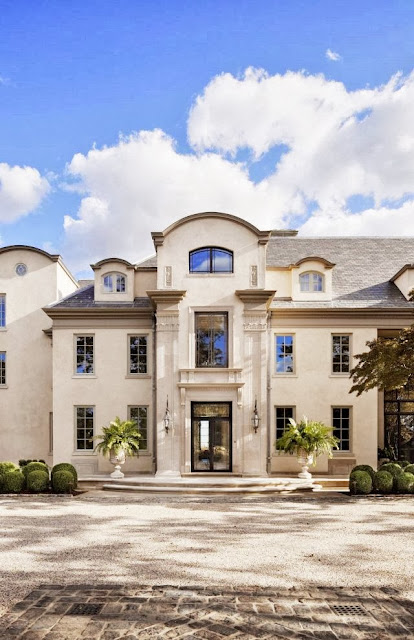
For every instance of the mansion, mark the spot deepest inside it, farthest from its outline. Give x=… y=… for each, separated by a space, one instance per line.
x=210 y=346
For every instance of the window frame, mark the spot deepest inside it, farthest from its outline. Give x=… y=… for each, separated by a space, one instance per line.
x=311 y=288
x=341 y=372
x=225 y=315
x=114 y=275
x=284 y=372
x=2 y=310
x=147 y=439
x=284 y=407
x=211 y=269
x=89 y=450
x=137 y=373
x=3 y=369
x=340 y=428
x=84 y=373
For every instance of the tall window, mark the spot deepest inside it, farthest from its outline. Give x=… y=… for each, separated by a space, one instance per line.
x=341 y=422
x=114 y=283
x=138 y=354
x=284 y=354
x=84 y=354
x=211 y=260
x=2 y=367
x=211 y=330
x=340 y=354
x=282 y=419
x=140 y=416
x=84 y=428
x=2 y=311
x=311 y=281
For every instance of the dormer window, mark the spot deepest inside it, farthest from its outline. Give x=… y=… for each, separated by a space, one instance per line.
x=211 y=260
x=312 y=281
x=114 y=283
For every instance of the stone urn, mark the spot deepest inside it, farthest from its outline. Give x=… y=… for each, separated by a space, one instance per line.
x=305 y=460
x=117 y=457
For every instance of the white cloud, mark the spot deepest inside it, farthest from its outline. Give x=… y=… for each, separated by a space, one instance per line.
x=21 y=191
x=336 y=144
x=332 y=55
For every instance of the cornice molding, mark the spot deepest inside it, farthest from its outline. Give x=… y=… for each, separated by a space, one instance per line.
x=256 y=296
x=169 y=296
x=93 y=312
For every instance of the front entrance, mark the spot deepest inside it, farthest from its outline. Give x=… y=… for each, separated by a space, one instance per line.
x=211 y=436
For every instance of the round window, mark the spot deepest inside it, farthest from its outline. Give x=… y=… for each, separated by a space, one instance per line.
x=21 y=269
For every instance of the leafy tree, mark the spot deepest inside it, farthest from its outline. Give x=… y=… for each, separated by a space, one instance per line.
x=389 y=363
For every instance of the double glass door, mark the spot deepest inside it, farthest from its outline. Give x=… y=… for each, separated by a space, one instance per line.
x=211 y=436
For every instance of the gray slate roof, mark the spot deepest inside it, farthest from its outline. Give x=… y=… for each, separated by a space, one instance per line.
x=83 y=298
x=362 y=272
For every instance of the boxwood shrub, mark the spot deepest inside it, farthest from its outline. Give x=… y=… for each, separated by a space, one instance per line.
x=403 y=463
x=13 y=482
x=37 y=481
x=365 y=467
x=409 y=468
x=5 y=467
x=383 y=481
x=360 y=482
x=405 y=483
x=63 y=481
x=34 y=466
x=65 y=466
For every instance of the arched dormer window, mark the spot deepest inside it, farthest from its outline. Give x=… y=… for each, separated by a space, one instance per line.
x=114 y=283
x=311 y=281
x=211 y=260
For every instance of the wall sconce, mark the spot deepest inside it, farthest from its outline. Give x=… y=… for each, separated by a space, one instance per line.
x=255 y=417
x=167 y=418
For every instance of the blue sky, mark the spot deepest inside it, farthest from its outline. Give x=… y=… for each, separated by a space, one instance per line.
x=74 y=76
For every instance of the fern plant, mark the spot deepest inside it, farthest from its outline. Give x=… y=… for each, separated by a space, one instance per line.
x=307 y=436
x=121 y=435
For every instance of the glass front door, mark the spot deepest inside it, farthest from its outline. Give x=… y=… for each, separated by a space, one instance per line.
x=211 y=436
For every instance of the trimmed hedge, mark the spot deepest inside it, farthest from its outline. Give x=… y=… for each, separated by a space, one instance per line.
x=365 y=467
x=34 y=466
x=37 y=481
x=63 y=482
x=405 y=483
x=360 y=483
x=409 y=468
x=394 y=469
x=13 y=482
x=65 y=466
x=383 y=482
x=403 y=463
x=5 y=467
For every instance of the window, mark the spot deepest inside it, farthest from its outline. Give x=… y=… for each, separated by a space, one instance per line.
x=211 y=339
x=211 y=260
x=282 y=419
x=311 y=281
x=2 y=367
x=340 y=354
x=2 y=311
x=84 y=428
x=84 y=354
x=114 y=283
x=341 y=422
x=284 y=354
x=140 y=416
x=138 y=354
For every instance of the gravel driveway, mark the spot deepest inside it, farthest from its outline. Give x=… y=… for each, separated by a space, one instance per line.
x=282 y=541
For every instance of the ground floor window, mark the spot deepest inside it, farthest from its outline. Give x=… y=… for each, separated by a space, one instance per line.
x=84 y=428
x=282 y=419
x=140 y=416
x=341 y=422
x=399 y=423
x=2 y=367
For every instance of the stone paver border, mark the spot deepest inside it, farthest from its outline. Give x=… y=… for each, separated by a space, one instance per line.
x=111 y=611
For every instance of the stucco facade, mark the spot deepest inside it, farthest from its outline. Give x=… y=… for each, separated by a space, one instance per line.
x=231 y=328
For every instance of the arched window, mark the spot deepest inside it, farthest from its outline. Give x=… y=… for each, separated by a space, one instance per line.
x=114 y=283
x=211 y=260
x=311 y=281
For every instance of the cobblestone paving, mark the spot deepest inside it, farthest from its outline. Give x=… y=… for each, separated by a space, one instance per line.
x=109 y=612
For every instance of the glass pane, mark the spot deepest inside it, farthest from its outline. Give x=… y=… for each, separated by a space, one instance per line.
x=304 y=282
x=108 y=284
x=391 y=407
x=208 y=409
x=201 y=445
x=407 y=407
x=222 y=261
x=221 y=445
x=200 y=261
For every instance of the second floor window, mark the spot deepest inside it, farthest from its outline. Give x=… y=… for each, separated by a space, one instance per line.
x=114 y=283
x=84 y=354
x=211 y=260
x=211 y=332
x=284 y=354
x=340 y=354
x=138 y=354
x=2 y=311
x=311 y=281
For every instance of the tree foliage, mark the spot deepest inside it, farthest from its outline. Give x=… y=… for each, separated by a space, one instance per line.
x=389 y=363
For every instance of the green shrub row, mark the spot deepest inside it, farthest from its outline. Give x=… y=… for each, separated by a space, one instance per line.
x=33 y=476
x=391 y=477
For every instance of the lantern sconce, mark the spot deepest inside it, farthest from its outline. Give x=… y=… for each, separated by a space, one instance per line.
x=167 y=418
x=255 y=417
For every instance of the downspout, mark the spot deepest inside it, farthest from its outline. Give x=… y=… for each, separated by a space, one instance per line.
x=269 y=392
x=154 y=393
